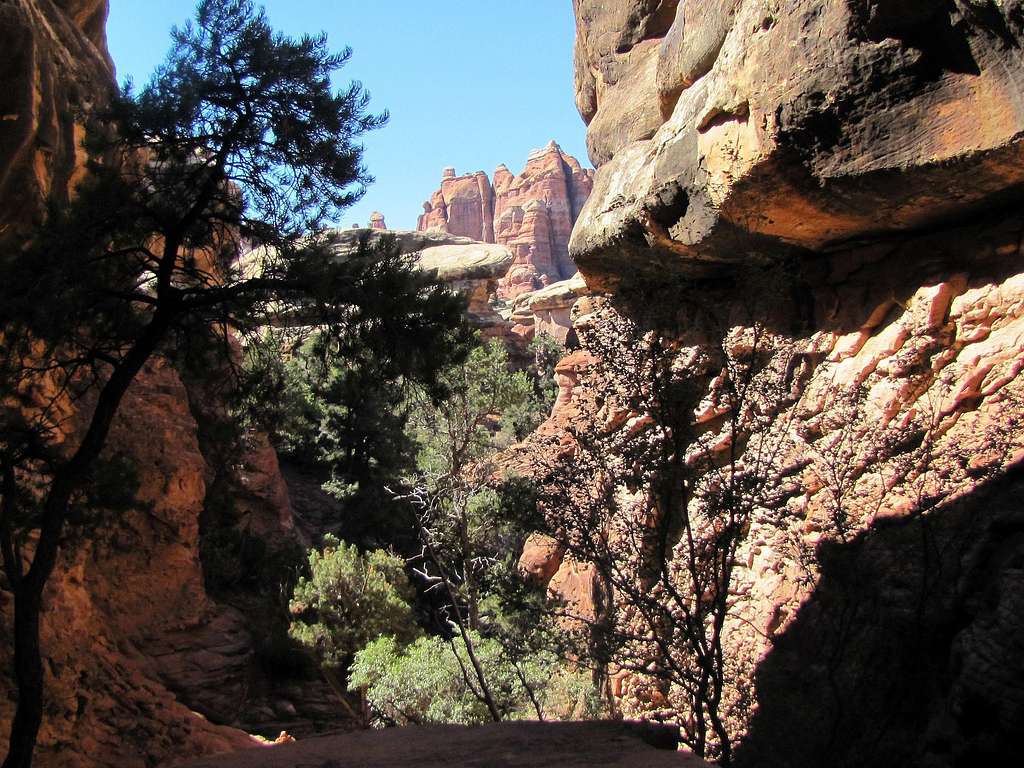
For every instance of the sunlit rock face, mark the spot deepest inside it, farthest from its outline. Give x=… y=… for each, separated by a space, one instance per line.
x=548 y=311
x=55 y=60
x=867 y=154
x=531 y=213
x=741 y=129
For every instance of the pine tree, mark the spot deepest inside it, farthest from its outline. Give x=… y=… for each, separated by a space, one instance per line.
x=238 y=145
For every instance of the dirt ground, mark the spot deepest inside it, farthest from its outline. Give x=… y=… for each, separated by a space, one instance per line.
x=507 y=745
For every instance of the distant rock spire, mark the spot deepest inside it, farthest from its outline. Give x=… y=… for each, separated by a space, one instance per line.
x=532 y=213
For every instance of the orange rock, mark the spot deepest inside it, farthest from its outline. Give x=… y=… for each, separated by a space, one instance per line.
x=541 y=558
x=532 y=213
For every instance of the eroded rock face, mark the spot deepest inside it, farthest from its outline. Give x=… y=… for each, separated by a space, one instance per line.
x=740 y=130
x=903 y=417
x=140 y=661
x=532 y=214
x=867 y=154
x=548 y=311
x=55 y=61
x=135 y=580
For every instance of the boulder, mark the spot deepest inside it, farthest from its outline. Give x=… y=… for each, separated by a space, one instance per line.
x=550 y=308
x=732 y=131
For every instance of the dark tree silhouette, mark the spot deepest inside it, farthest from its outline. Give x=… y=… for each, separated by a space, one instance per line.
x=205 y=212
x=658 y=494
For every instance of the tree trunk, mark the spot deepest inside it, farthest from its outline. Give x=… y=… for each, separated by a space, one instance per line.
x=28 y=593
x=28 y=670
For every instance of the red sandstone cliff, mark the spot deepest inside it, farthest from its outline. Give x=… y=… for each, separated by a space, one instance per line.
x=55 y=59
x=874 y=148
x=532 y=213
x=140 y=660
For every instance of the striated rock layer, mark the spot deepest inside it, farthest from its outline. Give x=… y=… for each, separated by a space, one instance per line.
x=532 y=214
x=865 y=155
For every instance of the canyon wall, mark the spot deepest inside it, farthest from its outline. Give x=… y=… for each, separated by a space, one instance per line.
x=140 y=660
x=531 y=213
x=55 y=61
x=830 y=189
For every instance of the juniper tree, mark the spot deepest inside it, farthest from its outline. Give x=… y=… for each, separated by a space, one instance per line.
x=238 y=144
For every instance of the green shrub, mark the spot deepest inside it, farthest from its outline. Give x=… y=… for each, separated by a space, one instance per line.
x=524 y=416
x=430 y=681
x=350 y=599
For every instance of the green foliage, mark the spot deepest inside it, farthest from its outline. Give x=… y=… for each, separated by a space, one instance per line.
x=341 y=415
x=230 y=75
x=349 y=599
x=428 y=682
x=462 y=427
x=276 y=395
x=522 y=418
x=206 y=212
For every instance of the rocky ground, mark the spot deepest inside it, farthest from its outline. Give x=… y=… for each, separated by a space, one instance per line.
x=511 y=745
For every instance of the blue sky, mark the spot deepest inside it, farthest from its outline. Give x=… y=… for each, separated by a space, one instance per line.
x=468 y=83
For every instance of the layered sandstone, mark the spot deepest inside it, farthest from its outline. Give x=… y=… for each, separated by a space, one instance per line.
x=865 y=156
x=531 y=213
x=118 y=592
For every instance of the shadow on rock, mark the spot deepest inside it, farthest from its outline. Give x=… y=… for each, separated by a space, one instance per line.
x=910 y=651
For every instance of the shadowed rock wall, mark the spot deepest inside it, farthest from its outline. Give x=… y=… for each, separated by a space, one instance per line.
x=137 y=654
x=867 y=154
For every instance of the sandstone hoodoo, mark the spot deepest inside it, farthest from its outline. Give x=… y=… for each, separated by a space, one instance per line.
x=532 y=213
